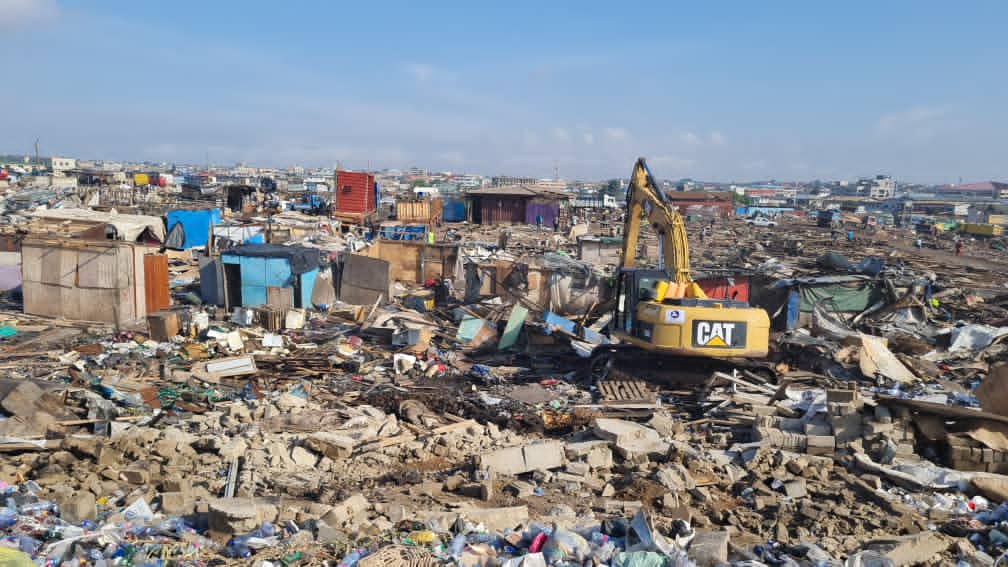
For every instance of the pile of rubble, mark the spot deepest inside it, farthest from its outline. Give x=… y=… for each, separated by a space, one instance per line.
x=452 y=425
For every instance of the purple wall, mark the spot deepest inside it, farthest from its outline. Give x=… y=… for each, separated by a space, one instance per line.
x=549 y=211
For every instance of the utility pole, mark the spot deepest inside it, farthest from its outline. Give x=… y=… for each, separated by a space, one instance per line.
x=38 y=164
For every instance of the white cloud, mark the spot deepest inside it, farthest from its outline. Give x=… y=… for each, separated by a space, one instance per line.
x=615 y=133
x=421 y=72
x=561 y=135
x=690 y=138
x=717 y=138
x=19 y=12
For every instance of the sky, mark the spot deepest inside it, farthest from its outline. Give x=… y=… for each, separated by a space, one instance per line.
x=720 y=91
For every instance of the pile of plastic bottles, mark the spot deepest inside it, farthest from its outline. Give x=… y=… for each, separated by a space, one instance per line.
x=539 y=545
x=35 y=534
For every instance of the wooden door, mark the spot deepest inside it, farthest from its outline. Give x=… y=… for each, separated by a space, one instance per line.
x=156 y=282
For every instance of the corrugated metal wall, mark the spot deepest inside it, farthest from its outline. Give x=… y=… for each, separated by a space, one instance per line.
x=257 y=274
x=453 y=210
x=549 y=211
x=503 y=210
x=87 y=282
x=355 y=192
x=156 y=282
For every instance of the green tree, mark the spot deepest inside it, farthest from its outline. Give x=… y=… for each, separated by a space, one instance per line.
x=612 y=188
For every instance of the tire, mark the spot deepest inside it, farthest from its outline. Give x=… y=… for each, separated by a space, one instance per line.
x=600 y=364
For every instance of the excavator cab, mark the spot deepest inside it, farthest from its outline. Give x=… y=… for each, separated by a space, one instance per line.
x=685 y=326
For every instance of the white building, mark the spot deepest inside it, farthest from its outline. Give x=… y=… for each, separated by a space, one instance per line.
x=882 y=187
x=468 y=181
x=60 y=165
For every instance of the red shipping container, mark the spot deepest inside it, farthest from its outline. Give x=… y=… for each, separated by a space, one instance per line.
x=355 y=192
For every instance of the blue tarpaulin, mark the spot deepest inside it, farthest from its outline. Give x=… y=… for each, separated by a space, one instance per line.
x=195 y=225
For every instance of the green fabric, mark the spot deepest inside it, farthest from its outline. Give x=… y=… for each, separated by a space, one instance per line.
x=847 y=298
x=640 y=559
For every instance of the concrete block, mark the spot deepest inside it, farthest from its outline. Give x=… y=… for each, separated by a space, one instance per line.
x=543 y=455
x=303 y=457
x=346 y=511
x=875 y=428
x=840 y=396
x=820 y=444
x=332 y=445
x=629 y=438
x=81 y=506
x=709 y=549
x=846 y=427
x=177 y=504
x=507 y=461
x=795 y=488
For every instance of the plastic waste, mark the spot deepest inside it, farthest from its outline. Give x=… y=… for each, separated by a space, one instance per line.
x=869 y=559
x=640 y=559
x=14 y=558
x=565 y=545
x=457 y=546
x=139 y=510
x=8 y=517
x=997 y=537
x=242 y=546
x=351 y=559
x=818 y=556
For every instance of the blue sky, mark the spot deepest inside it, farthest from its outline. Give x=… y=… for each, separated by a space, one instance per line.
x=721 y=91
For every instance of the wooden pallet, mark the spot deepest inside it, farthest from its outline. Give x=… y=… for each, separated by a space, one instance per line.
x=619 y=392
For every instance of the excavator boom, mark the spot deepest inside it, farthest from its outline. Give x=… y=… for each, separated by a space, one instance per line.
x=644 y=199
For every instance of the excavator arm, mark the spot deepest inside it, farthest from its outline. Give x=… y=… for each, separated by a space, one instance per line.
x=645 y=200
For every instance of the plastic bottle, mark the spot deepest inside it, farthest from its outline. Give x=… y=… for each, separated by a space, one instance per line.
x=8 y=517
x=39 y=507
x=351 y=559
x=241 y=546
x=457 y=546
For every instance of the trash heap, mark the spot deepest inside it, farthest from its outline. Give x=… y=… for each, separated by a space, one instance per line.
x=463 y=422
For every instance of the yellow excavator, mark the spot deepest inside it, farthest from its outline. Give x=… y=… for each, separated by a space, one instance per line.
x=663 y=311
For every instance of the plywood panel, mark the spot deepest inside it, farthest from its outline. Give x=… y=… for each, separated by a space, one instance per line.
x=363 y=280
x=280 y=296
x=97 y=268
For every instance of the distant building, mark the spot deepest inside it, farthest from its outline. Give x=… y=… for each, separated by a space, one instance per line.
x=465 y=181
x=60 y=165
x=555 y=184
x=509 y=181
x=515 y=205
x=880 y=187
x=981 y=190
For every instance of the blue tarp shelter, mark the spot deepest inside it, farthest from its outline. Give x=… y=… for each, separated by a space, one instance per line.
x=195 y=227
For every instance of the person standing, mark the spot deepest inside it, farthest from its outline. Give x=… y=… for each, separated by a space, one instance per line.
x=958 y=247
x=538 y=223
